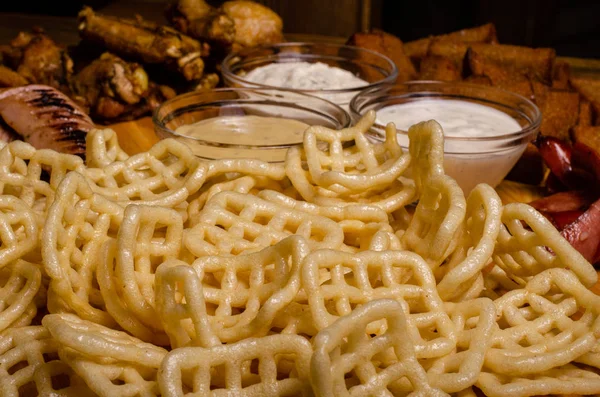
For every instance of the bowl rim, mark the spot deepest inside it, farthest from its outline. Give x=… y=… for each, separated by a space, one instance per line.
x=158 y=123
x=373 y=96
x=388 y=80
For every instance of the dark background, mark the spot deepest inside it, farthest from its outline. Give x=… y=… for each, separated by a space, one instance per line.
x=572 y=27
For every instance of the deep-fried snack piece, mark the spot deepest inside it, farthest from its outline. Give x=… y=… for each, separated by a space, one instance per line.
x=145 y=41
x=585 y=117
x=255 y=24
x=233 y=223
x=480 y=34
x=560 y=75
x=97 y=341
x=71 y=265
x=586 y=148
x=235 y=25
x=336 y=283
x=452 y=50
x=590 y=90
x=207 y=82
x=560 y=112
x=538 y=329
x=540 y=92
x=19 y=283
x=272 y=366
x=109 y=84
x=388 y=45
x=112 y=363
x=199 y=19
x=533 y=62
x=482 y=225
x=46 y=118
x=435 y=67
x=29 y=366
x=37 y=58
x=10 y=78
x=501 y=76
x=528 y=244
x=328 y=171
x=481 y=80
x=347 y=361
x=19 y=231
x=566 y=380
x=475 y=322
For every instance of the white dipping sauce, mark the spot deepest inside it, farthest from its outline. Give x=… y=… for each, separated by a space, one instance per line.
x=308 y=76
x=468 y=163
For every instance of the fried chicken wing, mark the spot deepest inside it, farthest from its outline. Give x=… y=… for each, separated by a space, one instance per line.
x=37 y=58
x=254 y=23
x=10 y=78
x=109 y=84
x=199 y=19
x=145 y=41
x=235 y=25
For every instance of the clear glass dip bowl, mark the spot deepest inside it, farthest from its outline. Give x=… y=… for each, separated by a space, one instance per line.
x=376 y=69
x=200 y=106
x=471 y=160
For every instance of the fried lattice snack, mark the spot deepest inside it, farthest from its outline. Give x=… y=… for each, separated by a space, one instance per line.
x=340 y=167
x=166 y=175
x=538 y=330
x=21 y=168
x=18 y=229
x=426 y=149
x=528 y=244
x=567 y=380
x=337 y=283
x=29 y=365
x=110 y=377
x=242 y=295
x=473 y=253
x=97 y=341
x=162 y=274
x=116 y=306
x=19 y=283
x=184 y=320
x=275 y=365
x=78 y=223
x=475 y=322
x=361 y=224
x=346 y=360
x=239 y=175
x=234 y=223
x=437 y=223
x=112 y=363
x=148 y=236
x=102 y=148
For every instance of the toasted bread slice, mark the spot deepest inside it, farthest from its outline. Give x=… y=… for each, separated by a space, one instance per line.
x=388 y=45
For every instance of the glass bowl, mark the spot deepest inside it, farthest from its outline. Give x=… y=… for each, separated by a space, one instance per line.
x=469 y=160
x=374 y=68
x=217 y=143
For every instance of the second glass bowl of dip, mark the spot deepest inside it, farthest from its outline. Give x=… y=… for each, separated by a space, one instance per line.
x=469 y=160
x=244 y=122
x=375 y=69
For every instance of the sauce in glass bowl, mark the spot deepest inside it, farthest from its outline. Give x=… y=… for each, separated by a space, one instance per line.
x=486 y=130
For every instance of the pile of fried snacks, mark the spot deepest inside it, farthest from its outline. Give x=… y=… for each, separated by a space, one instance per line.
x=163 y=274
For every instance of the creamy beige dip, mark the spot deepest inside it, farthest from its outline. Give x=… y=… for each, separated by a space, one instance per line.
x=316 y=76
x=251 y=131
x=469 y=163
